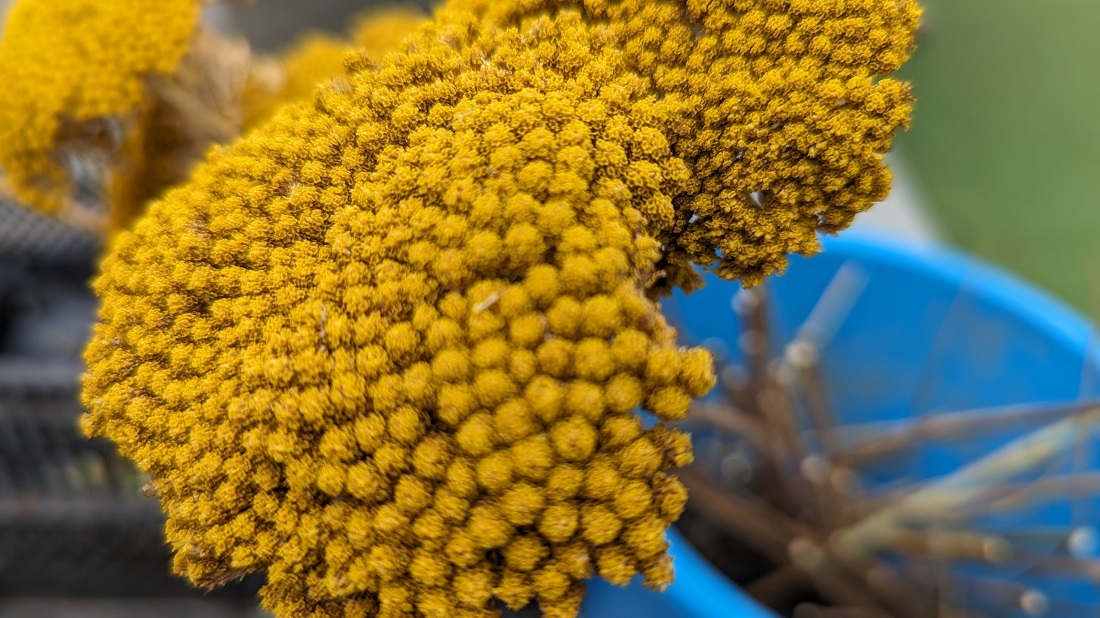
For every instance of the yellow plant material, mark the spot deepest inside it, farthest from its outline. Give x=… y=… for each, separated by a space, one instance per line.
x=199 y=105
x=389 y=346
x=778 y=104
x=319 y=58
x=74 y=72
x=294 y=76
x=380 y=32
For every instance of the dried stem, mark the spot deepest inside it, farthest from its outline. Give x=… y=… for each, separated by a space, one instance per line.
x=784 y=541
x=730 y=420
x=766 y=529
x=865 y=442
x=961 y=488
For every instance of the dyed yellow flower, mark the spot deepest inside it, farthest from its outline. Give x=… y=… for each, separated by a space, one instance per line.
x=74 y=73
x=388 y=347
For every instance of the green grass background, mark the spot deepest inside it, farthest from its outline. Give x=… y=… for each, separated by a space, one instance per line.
x=1005 y=140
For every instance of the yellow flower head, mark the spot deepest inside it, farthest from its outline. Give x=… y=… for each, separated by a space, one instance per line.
x=779 y=105
x=73 y=71
x=388 y=347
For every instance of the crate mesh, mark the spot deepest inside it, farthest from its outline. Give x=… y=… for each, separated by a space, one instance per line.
x=74 y=521
x=28 y=234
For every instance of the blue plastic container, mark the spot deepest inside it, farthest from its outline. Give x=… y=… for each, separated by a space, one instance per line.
x=931 y=331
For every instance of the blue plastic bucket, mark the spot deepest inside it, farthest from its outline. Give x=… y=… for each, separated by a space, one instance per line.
x=930 y=331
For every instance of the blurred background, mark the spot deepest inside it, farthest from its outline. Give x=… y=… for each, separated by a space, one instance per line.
x=1003 y=161
x=1005 y=141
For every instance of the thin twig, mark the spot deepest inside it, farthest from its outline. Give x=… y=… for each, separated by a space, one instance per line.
x=767 y=530
x=780 y=539
x=728 y=419
x=779 y=586
x=960 y=488
x=863 y=442
x=198 y=114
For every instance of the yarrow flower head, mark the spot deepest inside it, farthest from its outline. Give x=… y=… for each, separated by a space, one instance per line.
x=388 y=347
x=95 y=122
x=70 y=84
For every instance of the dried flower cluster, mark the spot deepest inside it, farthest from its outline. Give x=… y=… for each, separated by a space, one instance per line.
x=114 y=124
x=779 y=107
x=67 y=81
x=388 y=346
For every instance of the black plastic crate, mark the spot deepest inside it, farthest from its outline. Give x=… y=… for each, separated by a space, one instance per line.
x=75 y=524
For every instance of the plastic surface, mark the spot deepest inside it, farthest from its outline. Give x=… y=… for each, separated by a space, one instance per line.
x=931 y=331
x=700 y=591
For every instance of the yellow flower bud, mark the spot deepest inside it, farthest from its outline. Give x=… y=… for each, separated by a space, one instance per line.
x=514 y=590
x=558 y=523
x=514 y=420
x=594 y=360
x=564 y=482
x=556 y=358
x=585 y=399
x=488 y=527
x=525 y=553
x=533 y=457
x=494 y=473
x=623 y=393
x=600 y=525
x=574 y=439
x=522 y=504
x=527 y=330
x=615 y=565
x=474 y=587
